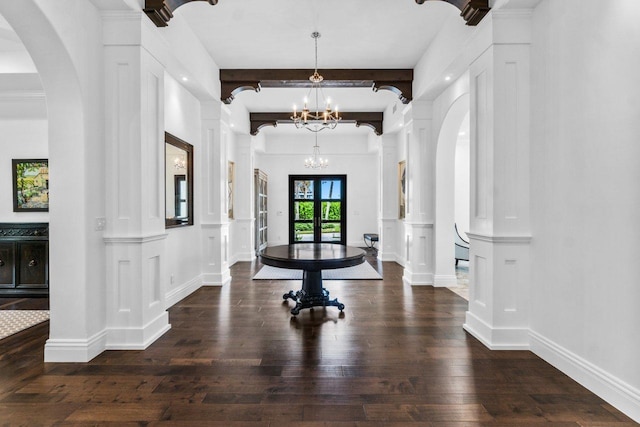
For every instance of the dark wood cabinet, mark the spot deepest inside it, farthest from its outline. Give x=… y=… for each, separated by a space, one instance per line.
x=24 y=259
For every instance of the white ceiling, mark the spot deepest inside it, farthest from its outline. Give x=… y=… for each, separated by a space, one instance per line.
x=354 y=34
x=277 y=34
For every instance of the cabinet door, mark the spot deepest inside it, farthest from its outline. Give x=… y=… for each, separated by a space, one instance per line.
x=260 y=186
x=7 y=264
x=34 y=267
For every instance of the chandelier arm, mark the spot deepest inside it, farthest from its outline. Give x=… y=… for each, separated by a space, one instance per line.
x=316 y=121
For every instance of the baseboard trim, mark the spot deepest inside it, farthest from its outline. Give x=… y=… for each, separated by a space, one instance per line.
x=417 y=279
x=176 y=295
x=444 y=280
x=75 y=350
x=216 y=279
x=387 y=256
x=610 y=388
x=138 y=338
x=244 y=257
x=496 y=338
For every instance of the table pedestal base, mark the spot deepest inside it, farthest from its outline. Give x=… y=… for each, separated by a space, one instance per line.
x=312 y=293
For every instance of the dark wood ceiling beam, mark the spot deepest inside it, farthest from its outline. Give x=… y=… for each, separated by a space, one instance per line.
x=472 y=11
x=161 y=11
x=369 y=119
x=234 y=81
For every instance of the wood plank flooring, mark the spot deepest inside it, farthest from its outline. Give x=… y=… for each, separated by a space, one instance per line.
x=397 y=357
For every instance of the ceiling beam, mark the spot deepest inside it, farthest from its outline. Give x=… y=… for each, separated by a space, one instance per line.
x=398 y=81
x=161 y=11
x=369 y=119
x=472 y=11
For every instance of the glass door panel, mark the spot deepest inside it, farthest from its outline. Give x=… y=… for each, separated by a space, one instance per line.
x=331 y=189
x=303 y=189
x=303 y=218
x=317 y=209
x=331 y=232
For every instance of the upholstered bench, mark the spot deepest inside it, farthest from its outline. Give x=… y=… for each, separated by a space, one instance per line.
x=370 y=240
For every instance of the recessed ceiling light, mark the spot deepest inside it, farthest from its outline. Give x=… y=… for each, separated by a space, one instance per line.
x=462 y=133
x=447 y=78
x=232 y=125
x=185 y=79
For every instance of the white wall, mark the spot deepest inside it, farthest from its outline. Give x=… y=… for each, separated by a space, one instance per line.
x=585 y=193
x=347 y=155
x=462 y=179
x=184 y=257
x=21 y=139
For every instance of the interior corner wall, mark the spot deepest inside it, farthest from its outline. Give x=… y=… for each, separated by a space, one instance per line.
x=462 y=182
x=402 y=140
x=21 y=139
x=184 y=256
x=241 y=197
x=585 y=194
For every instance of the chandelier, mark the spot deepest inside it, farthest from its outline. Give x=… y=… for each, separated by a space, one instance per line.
x=179 y=163
x=315 y=161
x=325 y=119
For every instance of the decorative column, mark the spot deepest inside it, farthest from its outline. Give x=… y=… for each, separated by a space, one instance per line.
x=243 y=230
x=420 y=173
x=135 y=223
x=500 y=230
x=388 y=210
x=215 y=221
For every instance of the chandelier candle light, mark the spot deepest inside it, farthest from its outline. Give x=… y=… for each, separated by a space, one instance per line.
x=315 y=161
x=326 y=119
x=179 y=163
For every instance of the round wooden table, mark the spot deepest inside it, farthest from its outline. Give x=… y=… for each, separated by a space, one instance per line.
x=312 y=258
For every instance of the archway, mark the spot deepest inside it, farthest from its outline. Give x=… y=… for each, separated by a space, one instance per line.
x=76 y=254
x=445 y=192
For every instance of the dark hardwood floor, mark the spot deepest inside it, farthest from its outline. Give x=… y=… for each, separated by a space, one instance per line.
x=235 y=357
x=22 y=303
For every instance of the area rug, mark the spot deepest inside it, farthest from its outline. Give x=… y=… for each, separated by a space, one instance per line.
x=14 y=321
x=362 y=271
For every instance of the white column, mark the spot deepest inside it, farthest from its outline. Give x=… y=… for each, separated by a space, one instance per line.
x=500 y=229
x=418 y=224
x=135 y=232
x=243 y=229
x=388 y=209
x=214 y=222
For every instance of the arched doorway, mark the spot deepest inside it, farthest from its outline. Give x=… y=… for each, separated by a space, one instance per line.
x=75 y=172
x=445 y=192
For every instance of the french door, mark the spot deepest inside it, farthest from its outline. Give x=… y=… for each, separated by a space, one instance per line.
x=318 y=209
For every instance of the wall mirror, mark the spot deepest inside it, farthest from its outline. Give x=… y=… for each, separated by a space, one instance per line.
x=178 y=182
